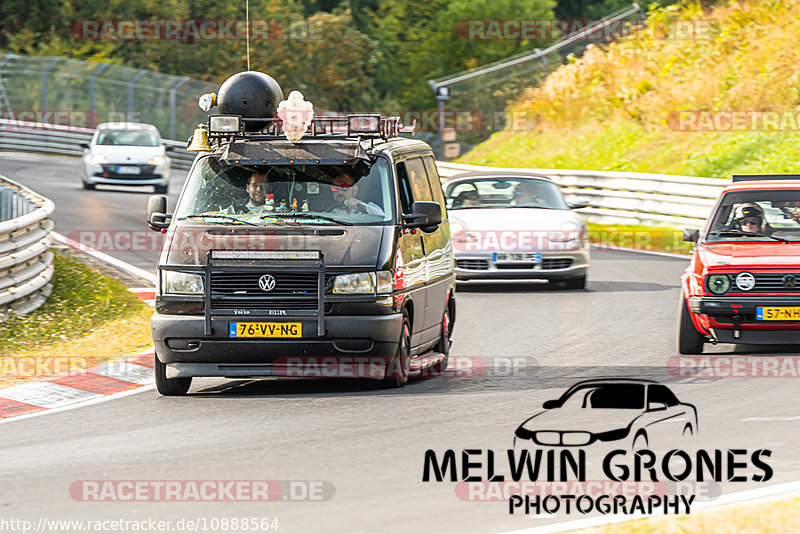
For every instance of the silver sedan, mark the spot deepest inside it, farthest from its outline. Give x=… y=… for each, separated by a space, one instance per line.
x=513 y=225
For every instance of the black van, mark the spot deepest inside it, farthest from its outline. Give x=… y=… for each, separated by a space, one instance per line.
x=327 y=257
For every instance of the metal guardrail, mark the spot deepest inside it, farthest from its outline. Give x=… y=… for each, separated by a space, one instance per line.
x=26 y=261
x=65 y=141
x=627 y=197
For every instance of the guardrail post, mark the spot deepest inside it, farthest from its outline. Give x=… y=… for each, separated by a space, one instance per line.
x=172 y=97
x=5 y=104
x=44 y=82
x=130 y=93
x=97 y=71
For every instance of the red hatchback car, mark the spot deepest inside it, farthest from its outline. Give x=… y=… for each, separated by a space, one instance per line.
x=743 y=283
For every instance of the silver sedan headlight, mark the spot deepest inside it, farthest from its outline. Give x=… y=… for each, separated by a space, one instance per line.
x=177 y=283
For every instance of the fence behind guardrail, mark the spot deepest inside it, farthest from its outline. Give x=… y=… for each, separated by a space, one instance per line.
x=26 y=261
x=613 y=197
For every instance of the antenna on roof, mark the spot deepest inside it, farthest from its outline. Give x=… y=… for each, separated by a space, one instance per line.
x=247 y=30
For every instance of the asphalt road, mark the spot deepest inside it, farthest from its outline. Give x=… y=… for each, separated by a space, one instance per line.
x=110 y=218
x=370 y=444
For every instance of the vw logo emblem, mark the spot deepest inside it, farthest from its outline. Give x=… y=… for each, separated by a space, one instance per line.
x=266 y=282
x=745 y=281
x=789 y=281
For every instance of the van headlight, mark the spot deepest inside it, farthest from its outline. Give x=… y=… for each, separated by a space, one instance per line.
x=157 y=160
x=98 y=159
x=355 y=283
x=177 y=283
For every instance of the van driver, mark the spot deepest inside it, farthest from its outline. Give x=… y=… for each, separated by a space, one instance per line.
x=344 y=191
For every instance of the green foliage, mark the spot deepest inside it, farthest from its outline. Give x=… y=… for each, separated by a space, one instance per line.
x=614 y=108
x=365 y=54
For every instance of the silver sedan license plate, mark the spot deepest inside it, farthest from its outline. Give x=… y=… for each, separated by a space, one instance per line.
x=517 y=257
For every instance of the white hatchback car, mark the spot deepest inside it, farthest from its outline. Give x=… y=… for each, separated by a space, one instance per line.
x=515 y=225
x=127 y=153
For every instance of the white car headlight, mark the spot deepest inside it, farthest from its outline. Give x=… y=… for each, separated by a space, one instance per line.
x=178 y=283
x=356 y=283
x=98 y=159
x=158 y=160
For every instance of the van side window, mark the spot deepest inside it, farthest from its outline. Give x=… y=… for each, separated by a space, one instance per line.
x=406 y=199
x=435 y=183
x=419 y=180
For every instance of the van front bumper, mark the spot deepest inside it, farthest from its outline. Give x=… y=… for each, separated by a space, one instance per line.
x=180 y=343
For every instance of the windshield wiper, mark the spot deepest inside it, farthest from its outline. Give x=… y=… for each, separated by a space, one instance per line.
x=741 y=233
x=218 y=216
x=306 y=216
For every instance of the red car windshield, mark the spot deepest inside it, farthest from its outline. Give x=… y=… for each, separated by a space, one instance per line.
x=759 y=215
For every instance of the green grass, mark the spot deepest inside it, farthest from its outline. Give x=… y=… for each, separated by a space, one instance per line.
x=626 y=147
x=82 y=301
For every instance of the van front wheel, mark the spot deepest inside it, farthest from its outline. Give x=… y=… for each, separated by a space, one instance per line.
x=169 y=387
x=397 y=370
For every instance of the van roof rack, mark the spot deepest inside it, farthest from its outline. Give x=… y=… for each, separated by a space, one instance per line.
x=353 y=126
x=757 y=177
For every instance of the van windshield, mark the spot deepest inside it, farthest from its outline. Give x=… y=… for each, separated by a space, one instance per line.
x=284 y=194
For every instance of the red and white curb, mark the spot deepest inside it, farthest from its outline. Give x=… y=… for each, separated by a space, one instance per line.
x=110 y=379
x=147 y=294
x=97 y=383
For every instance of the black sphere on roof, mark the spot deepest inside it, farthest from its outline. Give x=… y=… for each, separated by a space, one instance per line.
x=250 y=94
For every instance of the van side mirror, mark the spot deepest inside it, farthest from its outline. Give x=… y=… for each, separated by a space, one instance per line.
x=168 y=148
x=424 y=215
x=157 y=216
x=84 y=145
x=691 y=235
x=549 y=405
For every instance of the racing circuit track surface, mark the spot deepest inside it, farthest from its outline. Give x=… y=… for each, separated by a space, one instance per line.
x=370 y=444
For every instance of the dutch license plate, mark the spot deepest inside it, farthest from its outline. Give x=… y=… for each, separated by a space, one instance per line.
x=266 y=330
x=517 y=257
x=785 y=313
x=129 y=170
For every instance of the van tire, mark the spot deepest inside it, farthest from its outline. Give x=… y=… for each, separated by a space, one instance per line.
x=443 y=347
x=398 y=368
x=169 y=387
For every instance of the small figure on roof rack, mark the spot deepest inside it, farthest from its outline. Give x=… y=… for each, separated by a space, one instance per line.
x=296 y=115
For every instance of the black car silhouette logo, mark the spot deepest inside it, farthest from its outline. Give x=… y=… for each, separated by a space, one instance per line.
x=641 y=412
